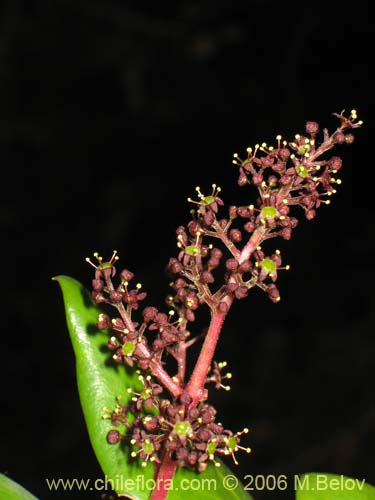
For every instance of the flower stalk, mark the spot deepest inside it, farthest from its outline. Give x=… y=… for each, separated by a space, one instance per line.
x=220 y=259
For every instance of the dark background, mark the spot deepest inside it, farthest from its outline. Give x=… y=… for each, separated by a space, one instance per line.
x=110 y=114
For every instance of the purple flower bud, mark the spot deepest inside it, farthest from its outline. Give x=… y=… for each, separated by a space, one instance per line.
x=335 y=163
x=231 y=287
x=245 y=267
x=115 y=297
x=113 y=437
x=349 y=138
x=257 y=179
x=126 y=275
x=312 y=128
x=249 y=227
x=185 y=398
x=158 y=345
x=179 y=283
x=286 y=233
x=231 y=264
x=310 y=214
x=241 y=292
x=216 y=253
x=339 y=137
x=242 y=180
x=207 y=277
x=273 y=293
x=193 y=227
x=103 y=322
x=208 y=218
x=232 y=212
x=98 y=285
x=97 y=297
x=244 y=212
x=149 y=313
x=284 y=154
x=235 y=235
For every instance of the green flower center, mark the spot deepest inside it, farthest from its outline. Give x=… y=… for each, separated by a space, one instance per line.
x=232 y=443
x=268 y=212
x=303 y=149
x=182 y=428
x=128 y=348
x=146 y=394
x=207 y=200
x=148 y=447
x=105 y=265
x=301 y=170
x=211 y=448
x=192 y=250
x=268 y=265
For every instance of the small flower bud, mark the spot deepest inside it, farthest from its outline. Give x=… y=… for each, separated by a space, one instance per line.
x=216 y=253
x=335 y=163
x=208 y=218
x=231 y=265
x=249 y=227
x=104 y=322
x=232 y=212
x=310 y=214
x=193 y=227
x=241 y=292
x=174 y=266
x=126 y=275
x=149 y=313
x=113 y=437
x=257 y=179
x=207 y=277
x=312 y=128
x=284 y=154
x=115 y=297
x=349 y=138
x=339 y=137
x=235 y=235
x=273 y=293
x=245 y=267
x=286 y=233
x=185 y=398
x=97 y=285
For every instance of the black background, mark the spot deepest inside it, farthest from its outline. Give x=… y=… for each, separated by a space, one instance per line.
x=110 y=114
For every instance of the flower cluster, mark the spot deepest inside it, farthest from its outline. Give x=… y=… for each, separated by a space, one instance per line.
x=220 y=258
x=190 y=435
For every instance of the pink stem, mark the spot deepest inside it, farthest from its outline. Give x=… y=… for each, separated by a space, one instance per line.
x=163 y=478
x=252 y=244
x=197 y=380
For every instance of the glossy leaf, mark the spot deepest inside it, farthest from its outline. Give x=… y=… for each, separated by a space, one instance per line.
x=100 y=381
x=322 y=486
x=10 y=490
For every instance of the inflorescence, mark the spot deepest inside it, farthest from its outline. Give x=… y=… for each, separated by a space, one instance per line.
x=164 y=417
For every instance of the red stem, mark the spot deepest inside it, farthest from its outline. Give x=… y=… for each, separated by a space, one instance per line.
x=197 y=380
x=163 y=478
x=195 y=386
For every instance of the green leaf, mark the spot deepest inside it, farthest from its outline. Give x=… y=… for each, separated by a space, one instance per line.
x=10 y=490
x=322 y=486
x=100 y=381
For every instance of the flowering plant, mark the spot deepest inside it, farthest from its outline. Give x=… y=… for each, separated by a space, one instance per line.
x=141 y=413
